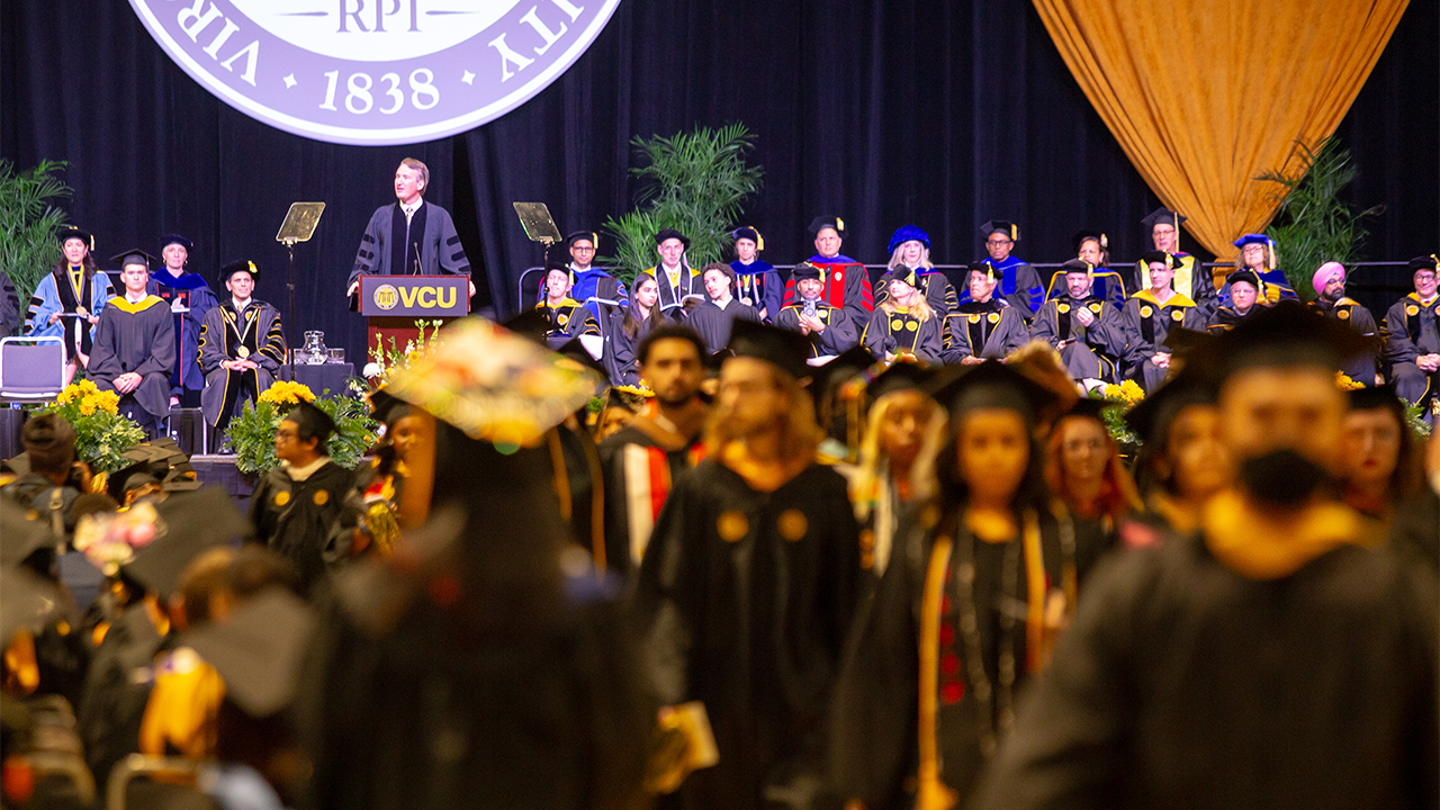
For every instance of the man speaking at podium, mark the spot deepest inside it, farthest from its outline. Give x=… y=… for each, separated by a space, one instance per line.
x=410 y=237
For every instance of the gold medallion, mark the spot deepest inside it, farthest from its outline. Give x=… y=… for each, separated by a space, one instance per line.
x=1412 y=310
x=897 y=324
x=282 y=497
x=1177 y=316
x=911 y=326
x=994 y=317
x=1146 y=312
x=242 y=352
x=1342 y=314
x=732 y=526
x=1063 y=308
x=974 y=318
x=321 y=497
x=792 y=525
x=562 y=320
x=1095 y=308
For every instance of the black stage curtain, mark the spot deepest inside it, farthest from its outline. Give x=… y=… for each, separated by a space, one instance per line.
x=882 y=111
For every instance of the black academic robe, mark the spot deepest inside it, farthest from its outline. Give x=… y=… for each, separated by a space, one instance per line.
x=847 y=286
x=1192 y=280
x=1181 y=683
x=620 y=358
x=841 y=333
x=256 y=335
x=582 y=492
x=1146 y=323
x=1411 y=330
x=746 y=597
x=875 y=749
x=672 y=302
x=137 y=338
x=294 y=518
x=641 y=463
x=1227 y=317
x=901 y=332
x=1352 y=313
x=991 y=330
x=112 y=703
x=713 y=323
x=567 y=320
x=190 y=292
x=428 y=245
x=1088 y=352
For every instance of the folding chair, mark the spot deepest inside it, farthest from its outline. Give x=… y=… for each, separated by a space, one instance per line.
x=32 y=369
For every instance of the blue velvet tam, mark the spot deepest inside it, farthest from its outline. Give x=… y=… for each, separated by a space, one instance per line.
x=908 y=233
x=1254 y=239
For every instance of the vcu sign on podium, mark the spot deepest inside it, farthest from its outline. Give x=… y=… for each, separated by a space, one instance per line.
x=414 y=296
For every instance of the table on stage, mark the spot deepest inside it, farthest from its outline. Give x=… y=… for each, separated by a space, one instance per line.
x=322 y=376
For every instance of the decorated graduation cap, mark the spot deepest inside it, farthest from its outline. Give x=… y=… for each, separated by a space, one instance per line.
x=1430 y=263
x=779 y=347
x=1006 y=227
x=805 y=270
x=1170 y=260
x=908 y=233
x=824 y=221
x=228 y=271
x=311 y=422
x=748 y=232
x=69 y=232
x=1246 y=276
x=187 y=525
x=988 y=268
x=592 y=237
x=1152 y=418
x=1080 y=236
x=667 y=234
x=176 y=239
x=991 y=384
x=134 y=256
x=259 y=650
x=1286 y=335
x=493 y=384
x=1078 y=266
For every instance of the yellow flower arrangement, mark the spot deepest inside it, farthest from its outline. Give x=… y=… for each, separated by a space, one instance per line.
x=287 y=393
x=1345 y=383
x=1128 y=392
x=102 y=434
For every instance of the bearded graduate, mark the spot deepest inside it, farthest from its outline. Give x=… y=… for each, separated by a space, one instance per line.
x=981 y=577
x=1271 y=659
x=750 y=581
x=904 y=325
x=485 y=588
x=134 y=351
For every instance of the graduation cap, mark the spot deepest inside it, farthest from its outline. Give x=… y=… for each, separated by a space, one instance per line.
x=1010 y=229
x=239 y=266
x=134 y=256
x=188 y=524
x=824 y=221
x=69 y=232
x=20 y=534
x=1080 y=236
x=841 y=367
x=531 y=323
x=1254 y=239
x=1430 y=263
x=908 y=233
x=1162 y=214
x=666 y=234
x=713 y=362
x=259 y=650
x=387 y=409
x=1375 y=397
x=493 y=384
x=748 y=232
x=1151 y=419
x=902 y=375
x=175 y=239
x=1288 y=334
x=553 y=267
x=1078 y=266
x=160 y=461
x=1187 y=343
x=779 y=347
x=622 y=396
x=1246 y=275
x=988 y=268
x=805 y=270
x=31 y=602
x=1161 y=257
x=906 y=275
x=311 y=421
x=591 y=236
x=991 y=384
x=1090 y=408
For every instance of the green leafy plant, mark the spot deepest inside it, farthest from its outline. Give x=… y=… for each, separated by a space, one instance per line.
x=29 y=220
x=695 y=182
x=102 y=433
x=1314 y=225
x=251 y=435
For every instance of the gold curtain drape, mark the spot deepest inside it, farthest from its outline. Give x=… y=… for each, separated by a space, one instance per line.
x=1206 y=95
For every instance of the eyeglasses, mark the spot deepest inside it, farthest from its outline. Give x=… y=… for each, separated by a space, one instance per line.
x=582 y=249
x=999 y=242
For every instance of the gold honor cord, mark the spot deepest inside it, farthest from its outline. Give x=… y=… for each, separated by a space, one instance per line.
x=932 y=793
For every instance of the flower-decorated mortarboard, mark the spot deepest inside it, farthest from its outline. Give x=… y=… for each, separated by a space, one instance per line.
x=494 y=385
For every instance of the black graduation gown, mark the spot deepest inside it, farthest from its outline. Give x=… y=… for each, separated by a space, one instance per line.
x=641 y=464
x=294 y=518
x=1362 y=367
x=746 y=597
x=991 y=330
x=136 y=337
x=713 y=323
x=112 y=703
x=1183 y=684
x=841 y=333
x=620 y=349
x=192 y=293
x=875 y=747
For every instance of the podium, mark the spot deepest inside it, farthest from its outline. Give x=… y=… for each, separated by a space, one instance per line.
x=392 y=304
